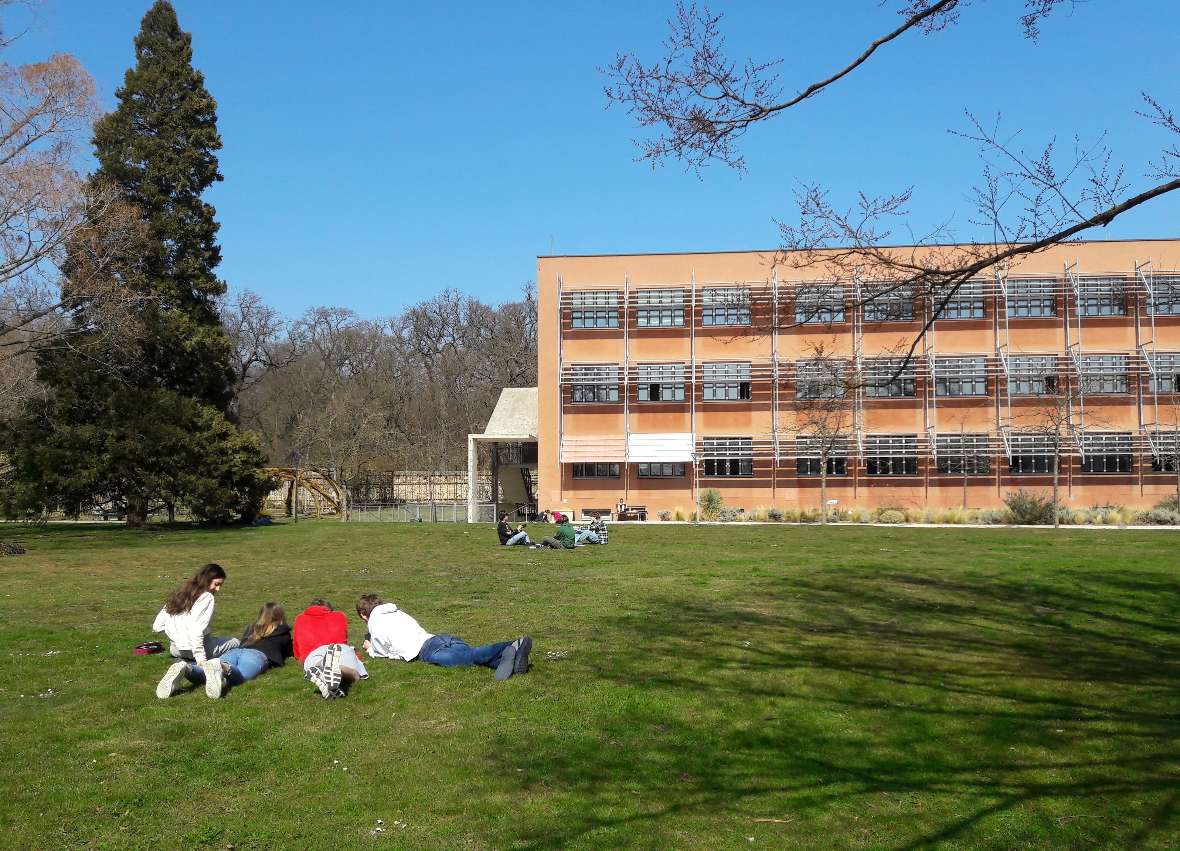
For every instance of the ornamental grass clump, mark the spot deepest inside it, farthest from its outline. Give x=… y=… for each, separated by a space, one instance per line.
x=1028 y=508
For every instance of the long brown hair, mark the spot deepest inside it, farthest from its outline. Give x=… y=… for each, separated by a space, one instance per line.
x=269 y=617
x=182 y=598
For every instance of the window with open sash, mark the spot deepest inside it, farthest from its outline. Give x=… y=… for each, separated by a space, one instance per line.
x=724 y=382
x=594 y=309
x=891 y=454
x=659 y=308
x=727 y=456
x=1031 y=297
x=963 y=454
x=1106 y=452
x=1033 y=375
x=661 y=382
x=725 y=306
x=594 y=383
x=810 y=455
x=960 y=376
x=890 y=377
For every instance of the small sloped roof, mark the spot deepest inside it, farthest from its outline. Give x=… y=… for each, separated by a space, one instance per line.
x=515 y=416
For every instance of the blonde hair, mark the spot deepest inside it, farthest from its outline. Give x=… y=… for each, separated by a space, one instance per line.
x=269 y=617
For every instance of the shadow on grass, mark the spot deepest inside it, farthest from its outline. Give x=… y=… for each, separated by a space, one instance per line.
x=883 y=710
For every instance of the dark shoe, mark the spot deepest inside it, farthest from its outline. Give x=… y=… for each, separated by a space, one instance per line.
x=524 y=646
x=506 y=666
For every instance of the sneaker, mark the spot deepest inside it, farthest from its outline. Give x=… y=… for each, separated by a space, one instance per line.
x=214 y=678
x=332 y=667
x=316 y=674
x=524 y=646
x=336 y=694
x=170 y=683
x=504 y=668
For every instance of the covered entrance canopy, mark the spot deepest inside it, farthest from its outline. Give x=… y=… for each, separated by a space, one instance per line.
x=512 y=432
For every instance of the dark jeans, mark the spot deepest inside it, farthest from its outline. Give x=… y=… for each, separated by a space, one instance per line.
x=450 y=651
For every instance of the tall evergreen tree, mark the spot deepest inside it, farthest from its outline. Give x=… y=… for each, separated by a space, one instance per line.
x=152 y=426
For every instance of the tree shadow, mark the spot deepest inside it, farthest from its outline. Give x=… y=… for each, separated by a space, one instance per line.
x=890 y=708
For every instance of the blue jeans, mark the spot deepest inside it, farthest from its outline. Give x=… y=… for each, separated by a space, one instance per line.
x=450 y=651
x=518 y=538
x=586 y=536
x=245 y=663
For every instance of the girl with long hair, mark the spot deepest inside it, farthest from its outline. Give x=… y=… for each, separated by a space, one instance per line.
x=266 y=643
x=185 y=619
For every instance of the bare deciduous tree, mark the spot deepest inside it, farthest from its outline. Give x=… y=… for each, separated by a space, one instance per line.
x=825 y=410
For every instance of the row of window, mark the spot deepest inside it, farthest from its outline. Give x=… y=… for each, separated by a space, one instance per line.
x=897 y=455
x=1028 y=375
x=826 y=304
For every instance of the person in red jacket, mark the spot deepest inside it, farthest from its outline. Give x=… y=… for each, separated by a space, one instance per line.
x=321 y=644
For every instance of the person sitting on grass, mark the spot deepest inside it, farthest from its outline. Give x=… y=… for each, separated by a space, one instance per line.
x=321 y=644
x=185 y=619
x=393 y=634
x=563 y=537
x=266 y=643
x=510 y=537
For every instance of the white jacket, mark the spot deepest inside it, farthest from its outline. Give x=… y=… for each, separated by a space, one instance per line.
x=395 y=635
x=187 y=630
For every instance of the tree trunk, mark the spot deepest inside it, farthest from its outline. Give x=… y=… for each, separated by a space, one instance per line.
x=1056 y=476
x=823 y=490
x=136 y=512
x=171 y=513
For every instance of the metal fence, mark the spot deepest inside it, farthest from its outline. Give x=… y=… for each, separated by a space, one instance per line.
x=422 y=512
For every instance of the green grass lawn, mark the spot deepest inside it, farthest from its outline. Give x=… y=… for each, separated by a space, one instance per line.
x=757 y=686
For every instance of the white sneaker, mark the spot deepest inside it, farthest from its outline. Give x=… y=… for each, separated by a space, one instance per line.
x=170 y=683
x=214 y=677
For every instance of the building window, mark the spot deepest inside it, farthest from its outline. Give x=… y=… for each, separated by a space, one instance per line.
x=1163 y=451
x=595 y=471
x=594 y=309
x=821 y=378
x=661 y=382
x=597 y=383
x=1165 y=295
x=661 y=471
x=725 y=382
x=965 y=303
x=1166 y=372
x=883 y=304
x=727 y=456
x=1032 y=454
x=1033 y=375
x=725 y=306
x=890 y=377
x=1106 y=452
x=809 y=460
x=891 y=454
x=819 y=305
x=963 y=454
x=1030 y=298
x=1103 y=373
x=960 y=377
x=1101 y=297
x=659 y=308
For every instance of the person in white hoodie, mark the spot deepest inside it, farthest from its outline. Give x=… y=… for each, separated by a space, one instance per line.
x=393 y=634
x=185 y=619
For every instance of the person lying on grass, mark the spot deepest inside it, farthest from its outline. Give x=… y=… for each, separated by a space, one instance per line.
x=185 y=619
x=266 y=643
x=321 y=644
x=510 y=537
x=393 y=634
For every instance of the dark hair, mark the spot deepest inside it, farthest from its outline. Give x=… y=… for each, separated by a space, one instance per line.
x=182 y=599
x=504 y=516
x=366 y=604
x=320 y=601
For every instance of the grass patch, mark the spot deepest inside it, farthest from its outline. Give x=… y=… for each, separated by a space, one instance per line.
x=693 y=687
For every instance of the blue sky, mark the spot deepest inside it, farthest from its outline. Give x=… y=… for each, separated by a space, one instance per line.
x=377 y=153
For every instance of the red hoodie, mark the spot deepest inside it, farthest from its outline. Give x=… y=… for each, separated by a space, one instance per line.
x=319 y=625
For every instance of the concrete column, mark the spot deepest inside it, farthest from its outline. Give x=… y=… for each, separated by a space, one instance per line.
x=472 y=478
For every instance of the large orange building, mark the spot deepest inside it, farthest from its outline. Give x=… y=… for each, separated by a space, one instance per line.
x=661 y=375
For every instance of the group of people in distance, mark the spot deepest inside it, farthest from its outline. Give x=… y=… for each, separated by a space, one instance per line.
x=319 y=640
x=564 y=536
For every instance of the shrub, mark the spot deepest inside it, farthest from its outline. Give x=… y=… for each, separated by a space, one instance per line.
x=891 y=515
x=809 y=515
x=665 y=514
x=993 y=517
x=758 y=514
x=1029 y=508
x=1168 y=504
x=729 y=515
x=678 y=513
x=711 y=503
x=774 y=515
x=791 y=515
x=862 y=515
x=1160 y=517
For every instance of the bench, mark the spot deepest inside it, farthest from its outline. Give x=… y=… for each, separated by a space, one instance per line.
x=596 y=514
x=634 y=512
